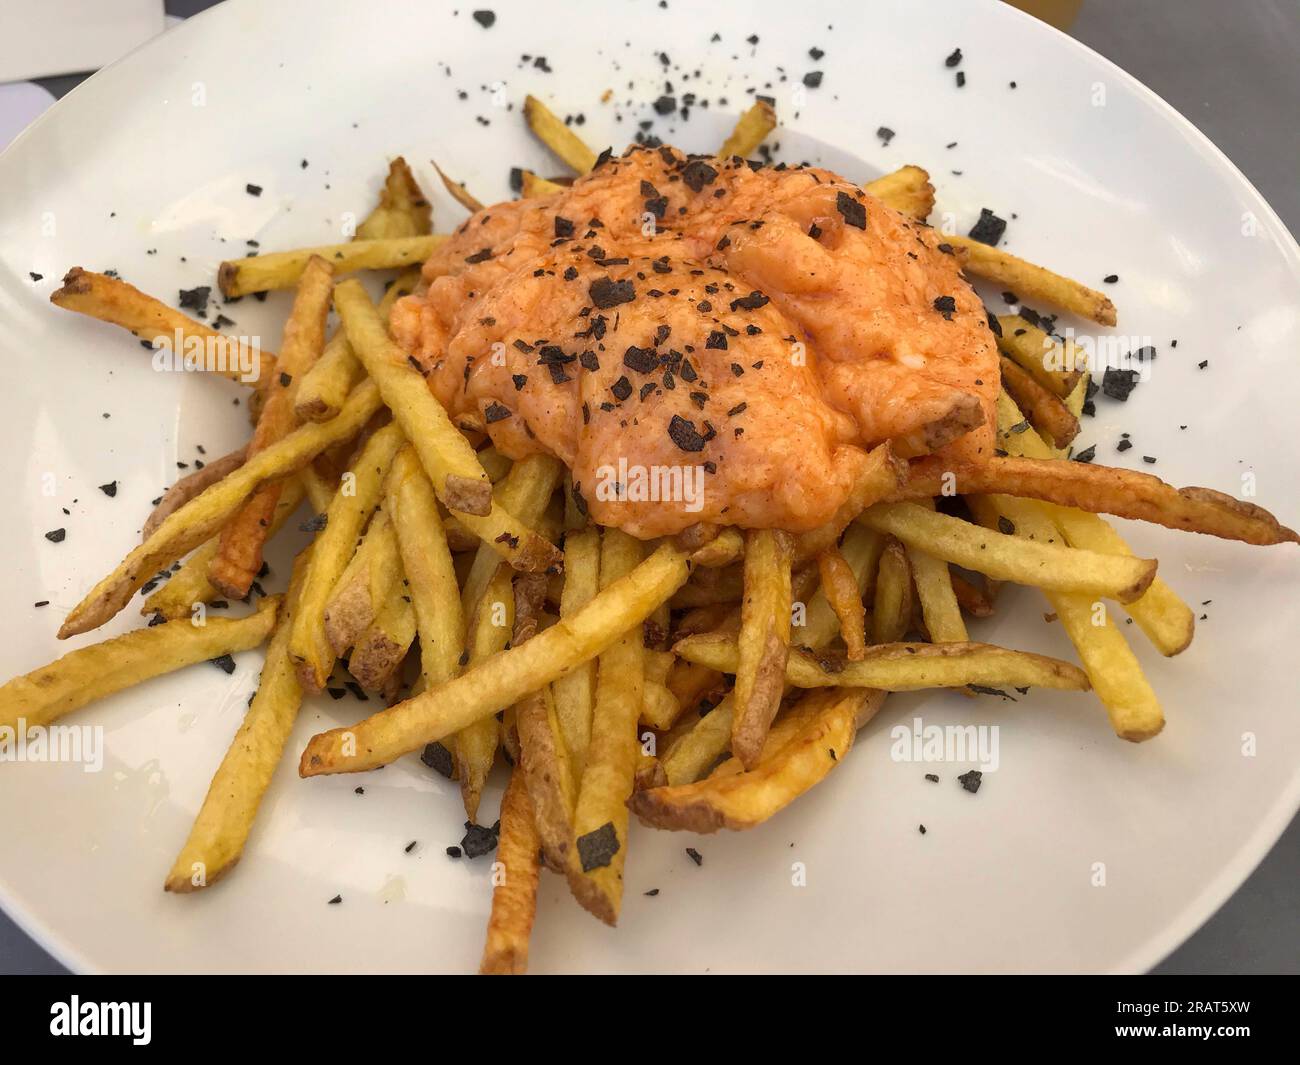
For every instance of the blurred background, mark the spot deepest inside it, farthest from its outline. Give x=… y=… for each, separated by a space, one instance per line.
x=1229 y=67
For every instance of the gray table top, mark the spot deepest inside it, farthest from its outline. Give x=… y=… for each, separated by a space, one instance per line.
x=1231 y=70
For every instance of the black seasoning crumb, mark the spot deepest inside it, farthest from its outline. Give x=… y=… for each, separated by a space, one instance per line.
x=922 y=828
x=453 y=852
x=597 y=848
x=109 y=489
x=694 y=855
x=885 y=134
x=485 y=18
x=606 y=292
x=253 y=190
x=1124 y=445
x=853 y=212
x=478 y=840
x=717 y=340
x=813 y=79
x=563 y=227
x=971 y=781
x=1110 y=279
x=35 y=276
x=336 y=900
x=651 y=893
x=989 y=229
x=665 y=105
x=56 y=536
x=195 y=299
x=42 y=602
x=697 y=173
x=683 y=433
x=961 y=79
x=1203 y=365
x=480 y=256
x=495 y=412
x=1087 y=454
x=752 y=302
x=1150 y=460
x=1006 y=525
x=933 y=778
x=1118 y=383
x=622 y=388
x=945 y=305
x=953 y=59
x=225 y=663
x=642 y=360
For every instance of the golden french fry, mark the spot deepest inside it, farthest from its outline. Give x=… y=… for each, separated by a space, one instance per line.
x=334 y=547
x=1003 y=557
x=764 y=640
x=600 y=815
x=281 y=269
x=503 y=679
x=89 y=673
x=907 y=190
x=459 y=192
x=239 y=556
x=744 y=799
x=1106 y=490
x=1057 y=367
x=111 y=299
x=370 y=579
x=575 y=692
x=1047 y=412
x=891 y=611
x=192 y=484
x=750 y=130
x=203 y=515
x=514 y=896
x=550 y=129
x=402 y=210
x=939 y=608
x=881 y=476
x=902 y=667
x=380 y=650
x=189 y=585
x=1035 y=282
x=1167 y=621
x=841 y=588
x=535 y=187
x=490 y=625
x=450 y=462
x=221 y=827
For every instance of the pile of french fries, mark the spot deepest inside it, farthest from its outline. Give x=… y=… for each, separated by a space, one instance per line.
x=612 y=676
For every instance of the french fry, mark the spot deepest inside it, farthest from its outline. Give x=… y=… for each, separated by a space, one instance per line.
x=382 y=647
x=934 y=589
x=1057 y=367
x=502 y=679
x=1106 y=490
x=841 y=592
x=459 y=192
x=575 y=692
x=750 y=130
x=324 y=388
x=1035 y=282
x=490 y=625
x=281 y=269
x=977 y=602
x=220 y=830
x=1167 y=621
x=742 y=800
x=724 y=549
x=335 y=543
x=111 y=299
x=368 y=581
x=1118 y=680
x=600 y=816
x=535 y=187
x=431 y=578
x=514 y=895
x=239 y=555
x=764 y=640
x=192 y=484
x=1003 y=557
x=904 y=666
x=189 y=585
x=100 y=669
x=907 y=190
x=402 y=210
x=459 y=480
x=1047 y=412
x=202 y=516
x=891 y=612
x=550 y=129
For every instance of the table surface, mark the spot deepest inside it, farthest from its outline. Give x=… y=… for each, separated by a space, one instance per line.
x=1230 y=69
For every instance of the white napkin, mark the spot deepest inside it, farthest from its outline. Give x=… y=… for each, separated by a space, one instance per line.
x=50 y=37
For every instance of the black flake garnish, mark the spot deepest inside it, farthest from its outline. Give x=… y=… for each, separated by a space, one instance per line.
x=480 y=256
x=563 y=227
x=622 y=388
x=717 y=340
x=56 y=536
x=484 y=18
x=953 y=59
x=694 y=855
x=971 y=781
x=813 y=79
x=195 y=299
x=752 y=302
x=438 y=758
x=478 y=840
x=989 y=229
x=225 y=663
x=496 y=412
x=683 y=433
x=697 y=173
x=597 y=848
x=852 y=211
x=253 y=190
x=945 y=305
x=1087 y=454
x=606 y=292
x=642 y=360
x=109 y=489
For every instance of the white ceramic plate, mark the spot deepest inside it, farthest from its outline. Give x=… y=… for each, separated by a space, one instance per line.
x=144 y=168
